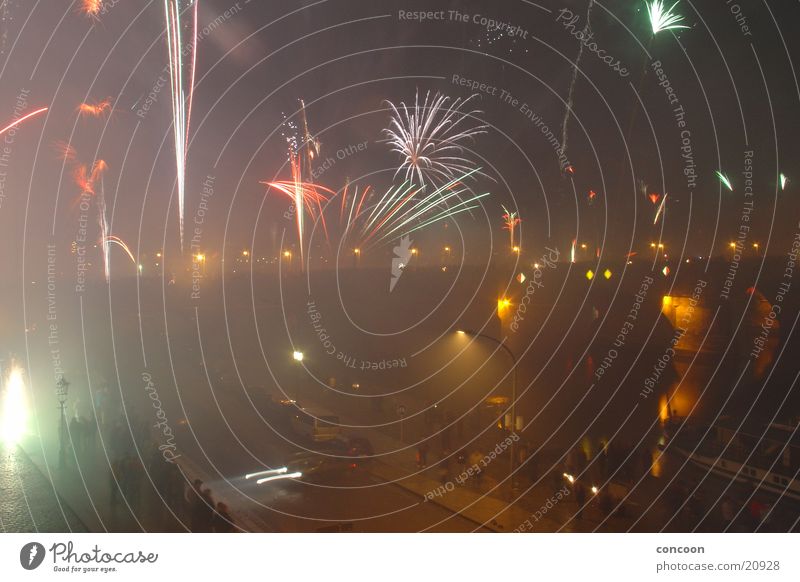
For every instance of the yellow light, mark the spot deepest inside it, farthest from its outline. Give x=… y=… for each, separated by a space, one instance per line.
x=15 y=408
x=158 y=255
x=652 y=245
x=287 y=254
x=569 y=477
x=755 y=246
x=661 y=245
x=414 y=251
x=447 y=249
x=357 y=251
x=502 y=304
x=298 y=356
x=590 y=274
x=245 y=253
x=594 y=490
x=607 y=273
x=461 y=332
x=516 y=250
x=200 y=258
x=583 y=246
x=732 y=245
x=666 y=301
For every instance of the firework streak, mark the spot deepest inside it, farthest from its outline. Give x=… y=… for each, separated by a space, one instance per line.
x=182 y=61
x=400 y=211
x=21 y=119
x=305 y=196
x=510 y=222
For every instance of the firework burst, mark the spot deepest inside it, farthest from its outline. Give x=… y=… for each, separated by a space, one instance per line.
x=663 y=18
x=99 y=110
x=429 y=138
x=91 y=8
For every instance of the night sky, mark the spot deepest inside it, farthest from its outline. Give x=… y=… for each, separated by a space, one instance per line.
x=256 y=60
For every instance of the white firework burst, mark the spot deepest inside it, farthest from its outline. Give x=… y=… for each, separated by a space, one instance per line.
x=430 y=135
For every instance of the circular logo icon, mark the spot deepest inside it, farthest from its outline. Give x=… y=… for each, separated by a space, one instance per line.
x=31 y=555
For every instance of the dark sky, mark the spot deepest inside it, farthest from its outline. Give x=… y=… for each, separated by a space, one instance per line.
x=345 y=58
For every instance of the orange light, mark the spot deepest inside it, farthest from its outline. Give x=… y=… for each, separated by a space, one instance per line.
x=414 y=251
x=287 y=254
x=357 y=251
x=515 y=249
x=245 y=253
x=502 y=304
x=583 y=246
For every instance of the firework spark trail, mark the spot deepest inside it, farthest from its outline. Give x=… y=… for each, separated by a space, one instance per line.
x=99 y=109
x=111 y=239
x=661 y=208
x=572 y=250
x=21 y=119
x=783 y=181
x=429 y=138
x=571 y=92
x=510 y=222
x=425 y=211
x=182 y=85
x=305 y=196
x=724 y=180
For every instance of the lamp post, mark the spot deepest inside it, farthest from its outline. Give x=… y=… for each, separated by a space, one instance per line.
x=513 y=389
x=62 y=392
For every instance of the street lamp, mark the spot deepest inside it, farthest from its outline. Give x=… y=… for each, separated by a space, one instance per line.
x=298 y=356
x=62 y=392
x=513 y=388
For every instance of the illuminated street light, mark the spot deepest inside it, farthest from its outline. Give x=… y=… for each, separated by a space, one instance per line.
x=357 y=251
x=583 y=246
x=515 y=249
x=245 y=253
x=287 y=254
x=298 y=356
x=15 y=408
